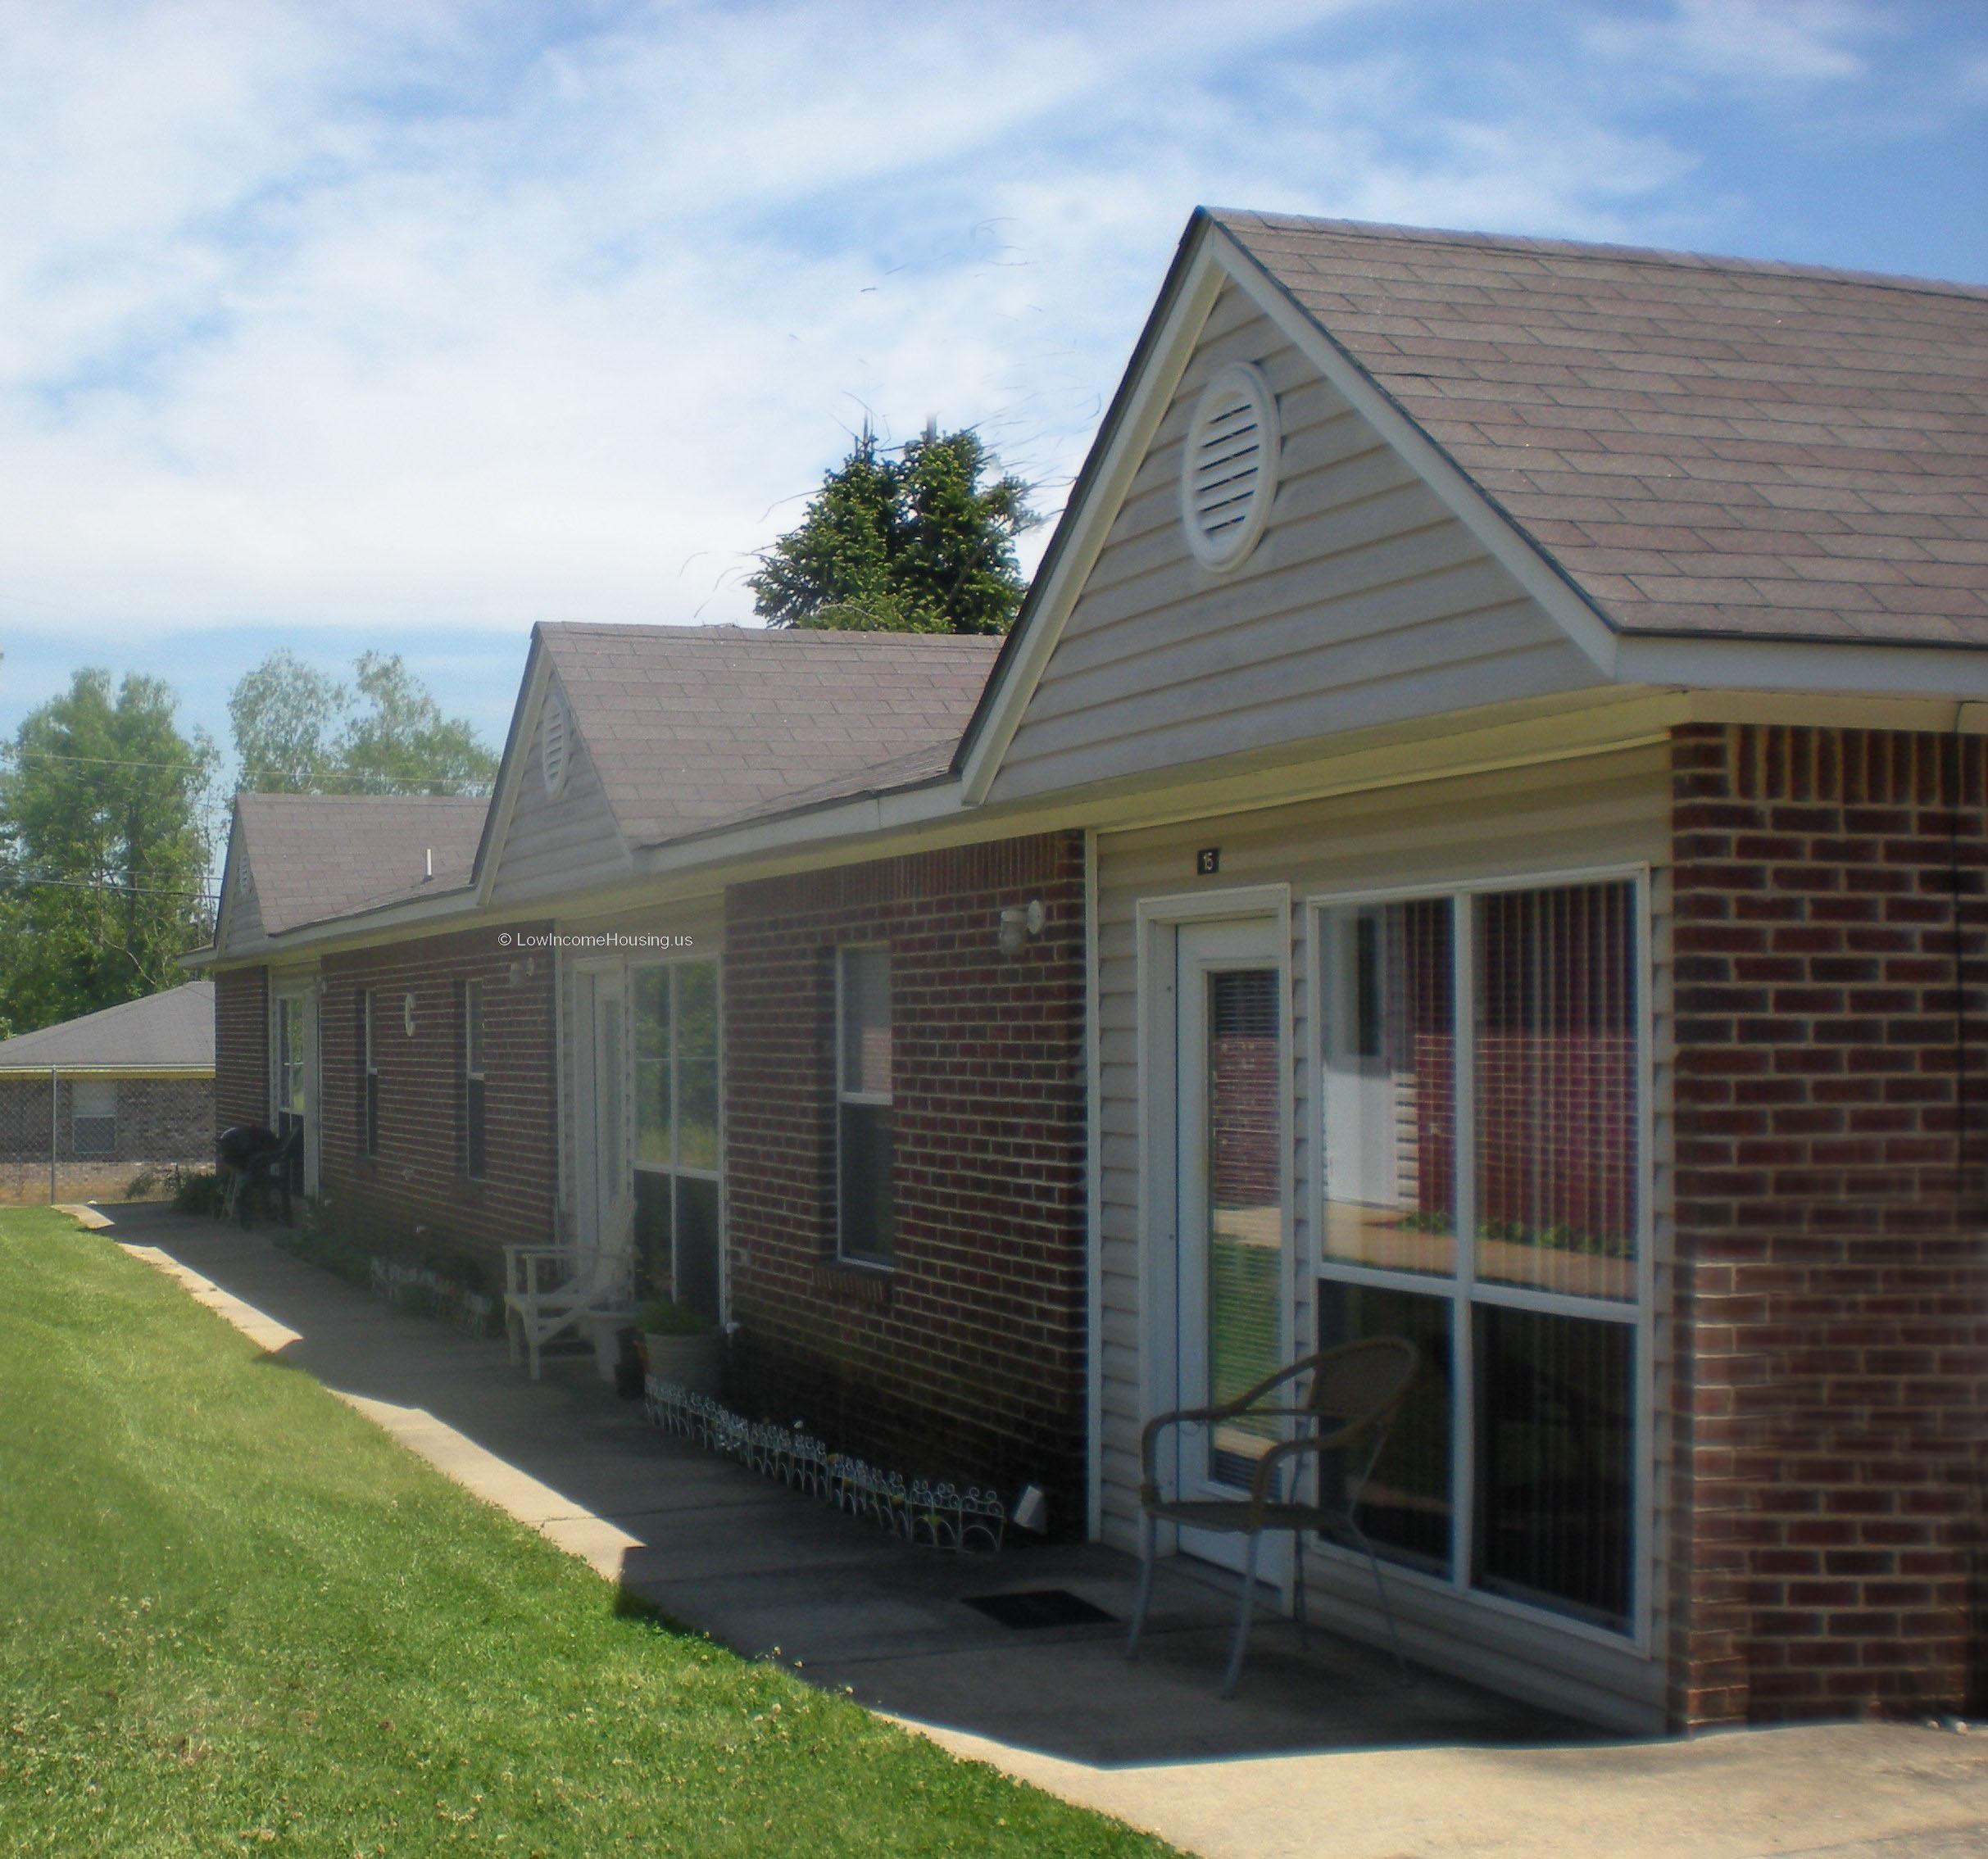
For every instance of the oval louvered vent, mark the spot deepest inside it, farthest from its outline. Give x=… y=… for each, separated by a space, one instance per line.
x=553 y=733
x=1228 y=475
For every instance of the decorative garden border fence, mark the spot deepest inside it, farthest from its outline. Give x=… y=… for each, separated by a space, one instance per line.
x=937 y=1516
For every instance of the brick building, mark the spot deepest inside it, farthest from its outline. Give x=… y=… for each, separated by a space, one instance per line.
x=91 y=1105
x=1476 y=835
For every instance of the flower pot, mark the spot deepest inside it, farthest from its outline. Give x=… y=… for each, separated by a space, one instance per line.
x=695 y=1362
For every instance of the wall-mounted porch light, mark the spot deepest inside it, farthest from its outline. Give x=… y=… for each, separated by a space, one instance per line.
x=1018 y=922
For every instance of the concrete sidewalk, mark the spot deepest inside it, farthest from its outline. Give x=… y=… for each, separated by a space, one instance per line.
x=1323 y=1753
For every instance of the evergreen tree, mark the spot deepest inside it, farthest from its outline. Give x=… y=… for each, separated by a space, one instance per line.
x=915 y=540
x=106 y=844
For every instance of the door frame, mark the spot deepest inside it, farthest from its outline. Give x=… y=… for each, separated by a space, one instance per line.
x=1158 y=921
x=587 y=977
x=308 y=990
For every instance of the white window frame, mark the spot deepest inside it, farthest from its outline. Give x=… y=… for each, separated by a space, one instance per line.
x=1461 y=1288
x=472 y=1073
x=885 y=1100
x=78 y=1117
x=369 y=1078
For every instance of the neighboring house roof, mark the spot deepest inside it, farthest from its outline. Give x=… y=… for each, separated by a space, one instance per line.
x=1703 y=446
x=168 y=1031
x=692 y=727
x=312 y=856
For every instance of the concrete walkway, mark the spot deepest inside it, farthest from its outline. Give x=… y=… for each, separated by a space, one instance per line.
x=1324 y=1753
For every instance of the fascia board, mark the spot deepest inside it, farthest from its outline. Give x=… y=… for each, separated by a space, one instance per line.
x=1873 y=669
x=1075 y=550
x=504 y=799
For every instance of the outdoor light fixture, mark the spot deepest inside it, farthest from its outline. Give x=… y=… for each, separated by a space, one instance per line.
x=407 y=1012
x=1018 y=922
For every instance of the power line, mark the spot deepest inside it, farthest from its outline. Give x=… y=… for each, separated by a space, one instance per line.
x=415 y=788
x=25 y=882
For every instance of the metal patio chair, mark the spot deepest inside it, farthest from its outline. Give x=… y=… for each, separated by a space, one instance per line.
x=1341 y=1425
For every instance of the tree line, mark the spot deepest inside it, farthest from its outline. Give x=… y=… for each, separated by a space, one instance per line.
x=113 y=820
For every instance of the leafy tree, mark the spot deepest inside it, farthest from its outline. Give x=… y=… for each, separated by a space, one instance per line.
x=299 y=731
x=286 y=718
x=105 y=843
x=916 y=540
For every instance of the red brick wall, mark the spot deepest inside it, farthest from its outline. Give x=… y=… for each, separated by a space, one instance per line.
x=967 y=1359
x=241 y=1047
x=414 y=1197
x=1831 y=1275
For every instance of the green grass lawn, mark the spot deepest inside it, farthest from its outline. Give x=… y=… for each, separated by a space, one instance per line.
x=234 y=1616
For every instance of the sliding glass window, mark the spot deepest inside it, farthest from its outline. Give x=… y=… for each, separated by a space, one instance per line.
x=676 y=1130
x=1481 y=1081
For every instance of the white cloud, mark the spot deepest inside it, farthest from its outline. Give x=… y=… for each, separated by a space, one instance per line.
x=1750 y=42
x=409 y=315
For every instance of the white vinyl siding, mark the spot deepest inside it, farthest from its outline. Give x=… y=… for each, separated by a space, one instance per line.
x=556 y=844
x=1605 y=812
x=1365 y=602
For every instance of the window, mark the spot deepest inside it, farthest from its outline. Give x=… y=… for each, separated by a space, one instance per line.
x=676 y=1130
x=93 y=1125
x=1481 y=1099
x=368 y=1068
x=865 y=1216
x=473 y=1152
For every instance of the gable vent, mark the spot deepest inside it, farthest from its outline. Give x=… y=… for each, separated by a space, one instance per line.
x=553 y=732
x=1228 y=473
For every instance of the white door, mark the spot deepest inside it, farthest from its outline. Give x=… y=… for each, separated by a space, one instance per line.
x=606 y=1177
x=1230 y=1299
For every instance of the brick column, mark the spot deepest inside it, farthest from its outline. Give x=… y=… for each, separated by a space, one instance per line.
x=1831 y=1285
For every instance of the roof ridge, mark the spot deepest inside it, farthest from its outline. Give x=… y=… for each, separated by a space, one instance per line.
x=1656 y=256
x=668 y=629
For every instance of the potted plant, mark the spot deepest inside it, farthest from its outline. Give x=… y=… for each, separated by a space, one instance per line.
x=681 y=1346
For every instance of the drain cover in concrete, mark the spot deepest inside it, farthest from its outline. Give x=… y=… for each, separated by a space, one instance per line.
x=1041 y=1607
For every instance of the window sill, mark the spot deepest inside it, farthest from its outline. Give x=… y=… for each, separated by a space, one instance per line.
x=850 y=1280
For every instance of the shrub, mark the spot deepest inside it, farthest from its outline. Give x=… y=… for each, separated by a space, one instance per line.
x=664 y=1316
x=198 y=1191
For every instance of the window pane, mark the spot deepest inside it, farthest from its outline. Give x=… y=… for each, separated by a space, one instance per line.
x=697 y=1009
x=652 y=1112
x=1554 y=1486
x=1245 y=1150
x=472 y=1026
x=866 y=1222
x=652 y=987
x=866 y=1021
x=653 y=1235
x=1557 y=1115
x=1388 y=1085
x=473 y=1126
x=1407 y=1508
x=697 y=1246
x=697 y=1111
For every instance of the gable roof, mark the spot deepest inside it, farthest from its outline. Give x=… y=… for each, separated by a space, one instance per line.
x=1702 y=446
x=313 y=856
x=168 y=1031
x=690 y=728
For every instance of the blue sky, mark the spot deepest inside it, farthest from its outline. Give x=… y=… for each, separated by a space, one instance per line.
x=402 y=325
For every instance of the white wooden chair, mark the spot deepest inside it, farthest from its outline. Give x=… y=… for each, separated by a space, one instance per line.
x=549 y=1290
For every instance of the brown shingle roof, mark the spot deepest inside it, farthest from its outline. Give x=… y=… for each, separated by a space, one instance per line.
x=691 y=726
x=313 y=856
x=1709 y=446
x=168 y=1031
